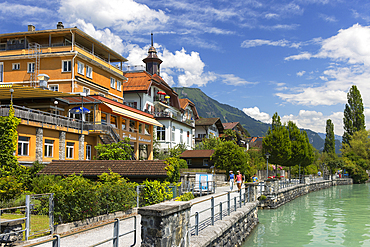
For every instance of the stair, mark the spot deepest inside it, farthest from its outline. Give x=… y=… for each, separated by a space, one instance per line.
x=107 y=139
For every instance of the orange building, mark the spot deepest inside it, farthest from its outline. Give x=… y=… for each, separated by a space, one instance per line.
x=52 y=71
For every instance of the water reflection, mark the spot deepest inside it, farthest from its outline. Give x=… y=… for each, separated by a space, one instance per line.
x=337 y=216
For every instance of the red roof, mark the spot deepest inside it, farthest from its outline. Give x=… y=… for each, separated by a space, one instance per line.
x=126 y=168
x=197 y=153
x=230 y=126
x=137 y=81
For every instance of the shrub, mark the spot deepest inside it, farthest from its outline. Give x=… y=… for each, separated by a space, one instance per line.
x=155 y=192
x=262 y=197
x=185 y=197
x=10 y=188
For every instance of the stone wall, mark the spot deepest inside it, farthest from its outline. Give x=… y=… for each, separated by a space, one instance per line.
x=231 y=231
x=276 y=199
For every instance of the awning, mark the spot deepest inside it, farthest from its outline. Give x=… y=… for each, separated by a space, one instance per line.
x=133 y=115
x=26 y=92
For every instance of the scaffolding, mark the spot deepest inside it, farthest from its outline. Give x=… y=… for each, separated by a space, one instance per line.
x=34 y=51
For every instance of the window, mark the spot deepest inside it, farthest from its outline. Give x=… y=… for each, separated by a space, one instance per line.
x=23 y=145
x=140 y=128
x=119 y=85
x=205 y=162
x=88 y=152
x=113 y=121
x=103 y=118
x=16 y=66
x=89 y=72
x=70 y=150
x=188 y=161
x=80 y=68
x=1 y=72
x=147 y=129
x=150 y=91
x=173 y=133
x=30 y=67
x=123 y=124
x=54 y=88
x=112 y=82
x=86 y=91
x=181 y=138
x=188 y=137
x=66 y=66
x=132 y=126
x=48 y=148
x=132 y=104
x=161 y=133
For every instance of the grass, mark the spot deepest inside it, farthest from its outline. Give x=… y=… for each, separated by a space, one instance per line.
x=38 y=223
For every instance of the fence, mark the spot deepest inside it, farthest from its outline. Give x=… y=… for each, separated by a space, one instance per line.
x=38 y=219
x=217 y=210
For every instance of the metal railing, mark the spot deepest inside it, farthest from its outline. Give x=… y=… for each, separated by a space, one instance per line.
x=31 y=115
x=217 y=211
x=115 y=239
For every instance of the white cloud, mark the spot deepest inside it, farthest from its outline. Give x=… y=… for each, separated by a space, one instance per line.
x=19 y=10
x=328 y=18
x=121 y=15
x=105 y=36
x=260 y=42
x=301 y=73
x=231 y=79
x=303 y=55
x=255 y=113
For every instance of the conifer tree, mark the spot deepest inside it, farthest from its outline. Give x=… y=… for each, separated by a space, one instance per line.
x=329 y=146
x=354 y=118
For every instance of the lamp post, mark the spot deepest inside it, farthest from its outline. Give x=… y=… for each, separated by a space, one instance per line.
x=11 y=95
x=267 y=168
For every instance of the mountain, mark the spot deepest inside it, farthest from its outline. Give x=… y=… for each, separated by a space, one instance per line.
x=338 y=141
x=208 y=107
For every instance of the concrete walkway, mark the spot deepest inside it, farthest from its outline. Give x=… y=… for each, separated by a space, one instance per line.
x=91 y=237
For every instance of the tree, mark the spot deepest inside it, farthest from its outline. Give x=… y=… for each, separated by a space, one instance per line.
x=329 y=146
x=208 y=143
x=277 y=142
x=115 y=151
x=309 y=152
x=174 y=164
x=358 y=149
x=354 y=118
x=229 y=156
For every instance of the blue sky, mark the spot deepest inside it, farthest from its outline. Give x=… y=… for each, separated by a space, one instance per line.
x=298 y=58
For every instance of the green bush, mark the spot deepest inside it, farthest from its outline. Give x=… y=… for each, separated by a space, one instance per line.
x=10 y=188
x=155 y=192
x=262 y=197
x=185 y=197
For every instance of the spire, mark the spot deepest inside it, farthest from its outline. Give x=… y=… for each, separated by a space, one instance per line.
x=152 y=61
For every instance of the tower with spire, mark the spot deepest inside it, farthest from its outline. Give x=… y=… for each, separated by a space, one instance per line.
x=152 y=62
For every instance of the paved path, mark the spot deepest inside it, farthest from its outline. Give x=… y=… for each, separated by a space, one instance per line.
x=96 y=235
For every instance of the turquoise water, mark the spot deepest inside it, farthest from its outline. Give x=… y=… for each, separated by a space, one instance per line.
x=338 y=216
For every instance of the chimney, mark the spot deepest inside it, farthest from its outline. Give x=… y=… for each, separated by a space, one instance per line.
x=31 y=28
x=60 y=25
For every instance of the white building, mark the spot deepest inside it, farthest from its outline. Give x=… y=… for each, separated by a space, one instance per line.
x=147 y=91
x=207 y=128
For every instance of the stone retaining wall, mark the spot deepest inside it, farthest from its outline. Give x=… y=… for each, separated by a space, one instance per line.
x=231 y=231
x=276 y=199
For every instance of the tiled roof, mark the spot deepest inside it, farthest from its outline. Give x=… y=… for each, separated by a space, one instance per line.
x=197 y=153
x=230 y=126
x=206 y=121
x=185 y=102
x=137 y=81
x=126 y=168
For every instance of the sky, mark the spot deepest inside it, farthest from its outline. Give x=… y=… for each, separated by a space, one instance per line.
x=297 y=58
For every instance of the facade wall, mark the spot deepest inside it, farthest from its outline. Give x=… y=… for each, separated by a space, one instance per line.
x=169 y=142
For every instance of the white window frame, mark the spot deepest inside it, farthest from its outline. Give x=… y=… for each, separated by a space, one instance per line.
x=1 y=72
x=80 y=68
x=89 y=72
x=48 y=148
x=188 y=137
x=119 y=85
x=24 y=146
x=161 y=132
x=205 y=163
x=86 y=91
x=66 y=66
x=112 y=82
x=30 y=67
x=181 y=136
x=70 y=148
x=53 y=86
x=173 y=132
x=88 y=152
x=16 y=66
x=188 y=161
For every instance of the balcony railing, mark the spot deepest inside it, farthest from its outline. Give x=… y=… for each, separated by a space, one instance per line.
x=31 y=115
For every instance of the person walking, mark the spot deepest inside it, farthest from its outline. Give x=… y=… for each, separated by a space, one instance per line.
x=239 y=180
x=254 y=178
x=231 y=178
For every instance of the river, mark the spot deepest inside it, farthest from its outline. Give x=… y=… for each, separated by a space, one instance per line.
x=337 y=216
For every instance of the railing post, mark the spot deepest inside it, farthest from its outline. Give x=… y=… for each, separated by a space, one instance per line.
x=228 y=203
x=213 y=210
x=137 y=196
x=249 y=194
x=245 y=196
x=220 y=210
x=235 y=203
x=116 y=233
x=56 y=241
x=196 y=223
x=200 y=188
x=134 y=232
x=28 y=216
x=240 y=198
